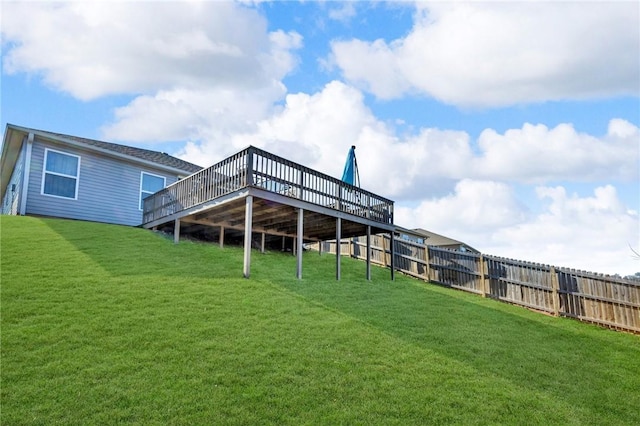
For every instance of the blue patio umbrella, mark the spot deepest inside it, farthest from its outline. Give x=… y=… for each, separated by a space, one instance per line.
x=350 y=174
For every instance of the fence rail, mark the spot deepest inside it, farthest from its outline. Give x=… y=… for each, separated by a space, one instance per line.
x=256 y=168
x=587 y=296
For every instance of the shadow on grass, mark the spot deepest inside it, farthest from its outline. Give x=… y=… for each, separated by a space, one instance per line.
x=122 y=250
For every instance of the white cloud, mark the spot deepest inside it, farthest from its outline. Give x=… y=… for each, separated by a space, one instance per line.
x=317 y=130
x=207 y=114
x=197 y=70
x=589 y=233
x=344 y=12
x=94 y=49
x=539 y=154
x=473 y=207
x=483 y=54
x=372 y=66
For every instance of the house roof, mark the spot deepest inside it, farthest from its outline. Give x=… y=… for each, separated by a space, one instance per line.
x=433 y=239
x=14 y=135
x=161 y=158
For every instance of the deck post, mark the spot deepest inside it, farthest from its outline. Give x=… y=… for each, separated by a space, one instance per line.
x=248 y=216
x=249 y=177
x=393 y=255
x=338 y=244
x=176 y=231
x=221 y=242
x=299 y=243
x=262 y=243
x=368 y=252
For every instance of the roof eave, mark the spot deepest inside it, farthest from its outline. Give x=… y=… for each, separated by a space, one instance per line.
x=107 y=152
x=11 y=145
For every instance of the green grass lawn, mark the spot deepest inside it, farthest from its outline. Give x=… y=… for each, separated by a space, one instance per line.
x=108 y=325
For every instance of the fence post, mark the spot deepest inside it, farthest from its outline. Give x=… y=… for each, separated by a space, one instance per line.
x=483 y=276
x=555 y=294
x=427 y=265
x=384 y=251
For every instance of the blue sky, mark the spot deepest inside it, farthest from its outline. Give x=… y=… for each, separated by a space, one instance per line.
x=510 y=126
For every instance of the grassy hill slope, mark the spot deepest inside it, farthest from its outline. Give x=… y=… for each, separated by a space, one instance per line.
x=105 y=324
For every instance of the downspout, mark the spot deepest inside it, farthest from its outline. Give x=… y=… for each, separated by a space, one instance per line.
x=26 y=176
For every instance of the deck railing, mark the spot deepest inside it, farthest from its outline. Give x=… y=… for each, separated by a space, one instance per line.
x=256 y=168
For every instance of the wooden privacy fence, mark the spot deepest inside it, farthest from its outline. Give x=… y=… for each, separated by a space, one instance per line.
x=586 y=296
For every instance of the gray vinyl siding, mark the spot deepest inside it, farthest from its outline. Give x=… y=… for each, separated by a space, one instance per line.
x=108 y=188
x=11 y=201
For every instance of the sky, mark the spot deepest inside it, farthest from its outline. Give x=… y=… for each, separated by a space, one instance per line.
x=511 y=126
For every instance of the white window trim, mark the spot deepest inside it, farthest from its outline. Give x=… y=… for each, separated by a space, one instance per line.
x=164 y=185
x=45 y=172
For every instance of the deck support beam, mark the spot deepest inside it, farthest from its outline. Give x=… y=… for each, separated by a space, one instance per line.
x=368 y=252
x=338 y=244
x=299 y=243
x=176 y=231
x=248 y=218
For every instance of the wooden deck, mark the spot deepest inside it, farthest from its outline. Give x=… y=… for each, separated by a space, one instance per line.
x=271 y=195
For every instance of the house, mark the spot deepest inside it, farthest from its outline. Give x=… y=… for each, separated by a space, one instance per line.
x=50 y=174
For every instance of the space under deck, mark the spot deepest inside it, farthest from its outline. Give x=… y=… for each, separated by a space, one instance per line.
x=268 y=194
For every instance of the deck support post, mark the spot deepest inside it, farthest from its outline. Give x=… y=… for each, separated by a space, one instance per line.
x=368 y=252
x=338 y=244
x=393 y=256
x=248 y=216
x=262 y=243
x=176 y=231
x=221 y=242
x=299 y=243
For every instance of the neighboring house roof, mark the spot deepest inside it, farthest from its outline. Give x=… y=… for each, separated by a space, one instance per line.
x=14 y=136
x=433 y=239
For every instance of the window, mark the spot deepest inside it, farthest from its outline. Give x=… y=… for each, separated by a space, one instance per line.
x=150 y=184
x=60 y=174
